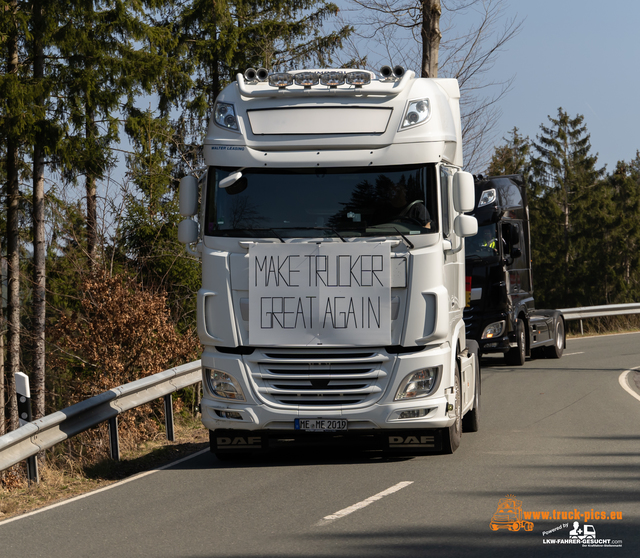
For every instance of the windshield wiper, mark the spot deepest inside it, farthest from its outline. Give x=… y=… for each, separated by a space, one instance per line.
x=334 y=231
x=409 y=243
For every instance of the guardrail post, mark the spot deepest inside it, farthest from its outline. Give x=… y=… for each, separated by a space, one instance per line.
x=114 y=439
x=581 y=330
x=168 y=417
x=23 y=394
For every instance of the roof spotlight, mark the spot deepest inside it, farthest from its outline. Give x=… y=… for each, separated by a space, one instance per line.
x=306 y=79
x=332 y=79
x=281 y=80
x=358 y=78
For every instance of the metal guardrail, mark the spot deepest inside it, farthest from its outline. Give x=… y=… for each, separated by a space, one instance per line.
x=44 y=433
x=41 y=434
x=598 y=311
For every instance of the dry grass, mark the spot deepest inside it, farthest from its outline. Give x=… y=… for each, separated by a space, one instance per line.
x=62 y=480
x=604 y=326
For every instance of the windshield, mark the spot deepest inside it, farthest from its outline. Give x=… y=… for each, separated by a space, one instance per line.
x=484 y=244
x=323 y=201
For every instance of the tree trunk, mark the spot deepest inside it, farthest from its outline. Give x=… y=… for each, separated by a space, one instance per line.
x=13 y=240
x=39 y=265
x=90 y=185
x=431 y=12
x=2 y=381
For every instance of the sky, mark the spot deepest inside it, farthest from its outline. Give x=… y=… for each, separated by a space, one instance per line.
x=581 y=55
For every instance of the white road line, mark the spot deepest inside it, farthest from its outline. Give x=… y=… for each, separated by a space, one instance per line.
x=346 y=511
x=104 y=488
x=622 y=380
x=571 y=354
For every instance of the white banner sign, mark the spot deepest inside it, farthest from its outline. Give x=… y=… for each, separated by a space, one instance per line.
x=317 y=294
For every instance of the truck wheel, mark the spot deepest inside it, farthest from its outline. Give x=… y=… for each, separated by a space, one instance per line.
x=556 y=350
x=517 y=355
x=471 y=421
x=451 y=436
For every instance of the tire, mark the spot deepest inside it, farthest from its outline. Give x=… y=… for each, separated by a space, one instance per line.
x=517 y=355
x=451 y=436
x=471 y=421
x=556 y=350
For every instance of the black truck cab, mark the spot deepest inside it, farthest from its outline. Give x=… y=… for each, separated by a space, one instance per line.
x=500 y=312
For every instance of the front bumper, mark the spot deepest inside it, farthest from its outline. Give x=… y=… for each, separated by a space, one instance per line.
x=239 y=442
x=266 y=410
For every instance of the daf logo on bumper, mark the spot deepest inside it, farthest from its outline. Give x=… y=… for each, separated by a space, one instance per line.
x=239 y=442
x=411 y=442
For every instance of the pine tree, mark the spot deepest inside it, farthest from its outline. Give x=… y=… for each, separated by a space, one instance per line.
x=104 y=63
x=565 y=176
x=622 y=249
x=223 y=38
x=14 y=95
x=512 y=157
x=149 y=232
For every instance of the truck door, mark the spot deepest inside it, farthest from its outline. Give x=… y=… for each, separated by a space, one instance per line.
x=515 y=256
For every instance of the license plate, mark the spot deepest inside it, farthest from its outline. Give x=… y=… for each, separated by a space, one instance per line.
x=321 y=425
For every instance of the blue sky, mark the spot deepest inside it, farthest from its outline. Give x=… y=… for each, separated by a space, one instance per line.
x=581 y=55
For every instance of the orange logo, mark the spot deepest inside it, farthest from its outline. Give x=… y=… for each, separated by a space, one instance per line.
x=509 y=515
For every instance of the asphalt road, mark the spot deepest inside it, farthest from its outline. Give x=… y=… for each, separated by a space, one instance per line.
x=558 y=434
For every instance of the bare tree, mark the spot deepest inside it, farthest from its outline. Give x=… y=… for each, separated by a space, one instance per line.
x=426 y=35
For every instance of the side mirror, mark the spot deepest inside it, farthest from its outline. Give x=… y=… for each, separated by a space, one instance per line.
x=465 y=225
x=230 y=180
x=188 y=231
x=464 y=193
x=188 y=196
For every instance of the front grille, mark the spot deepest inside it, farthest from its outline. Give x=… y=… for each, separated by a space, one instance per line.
x=332 y=379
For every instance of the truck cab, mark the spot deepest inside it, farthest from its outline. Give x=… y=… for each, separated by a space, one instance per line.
x=331 y=230
x=500 y=311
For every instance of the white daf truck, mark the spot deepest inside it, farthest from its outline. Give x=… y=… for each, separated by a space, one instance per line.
x=331 y=223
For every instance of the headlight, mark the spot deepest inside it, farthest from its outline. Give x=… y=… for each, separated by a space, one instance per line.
x=417 y=112
x=495 y=329
x=225 y=116
x=223 y=385
x=418 y=384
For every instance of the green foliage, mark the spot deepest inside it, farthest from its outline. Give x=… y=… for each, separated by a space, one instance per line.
x=585 y=227
x=227 y=37
x=512 y=157
x=148 y=241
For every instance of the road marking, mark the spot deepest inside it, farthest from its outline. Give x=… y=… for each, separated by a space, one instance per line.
x=623 y=381
x=571 y=354
x=104 y=488
x=346 y=511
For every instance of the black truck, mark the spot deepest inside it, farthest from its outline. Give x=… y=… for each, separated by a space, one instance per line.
x=500 y=313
